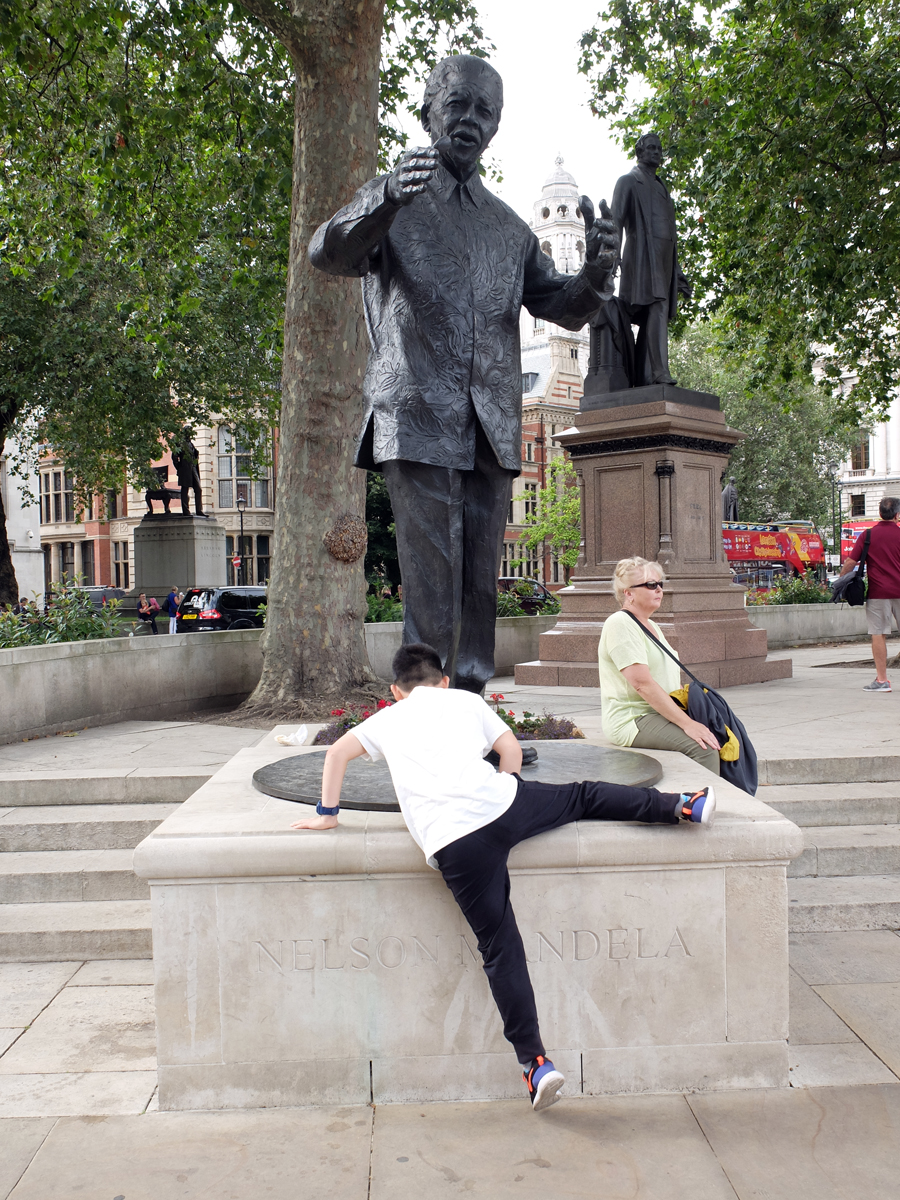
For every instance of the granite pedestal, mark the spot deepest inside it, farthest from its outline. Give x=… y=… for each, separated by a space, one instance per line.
x=335 y=968
x=171 y=548
x=649 y=462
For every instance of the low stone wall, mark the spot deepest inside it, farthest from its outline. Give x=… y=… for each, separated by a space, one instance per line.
x=806 y=624
x=517 y=641
x=44 y=689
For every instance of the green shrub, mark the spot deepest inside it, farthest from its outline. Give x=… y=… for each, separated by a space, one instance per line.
x=383 y=608
x=71 y=617
x=800 y=589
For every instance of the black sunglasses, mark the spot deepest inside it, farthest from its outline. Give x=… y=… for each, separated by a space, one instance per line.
x=654 y=585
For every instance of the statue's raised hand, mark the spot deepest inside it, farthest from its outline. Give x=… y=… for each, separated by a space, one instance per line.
x=601 y=235
x=411 y=174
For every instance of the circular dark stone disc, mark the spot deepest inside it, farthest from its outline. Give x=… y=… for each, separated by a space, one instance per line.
x=368 y=786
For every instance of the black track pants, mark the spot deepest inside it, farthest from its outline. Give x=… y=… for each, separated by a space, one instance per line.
x=474 y=869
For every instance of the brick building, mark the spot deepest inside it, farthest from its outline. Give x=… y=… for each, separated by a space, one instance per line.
x=97 y=544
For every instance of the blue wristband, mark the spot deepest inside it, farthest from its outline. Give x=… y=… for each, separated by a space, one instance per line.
x=327 y=812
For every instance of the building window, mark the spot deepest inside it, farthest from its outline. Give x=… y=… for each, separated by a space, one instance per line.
x=511 y=520
x=46 y=511
x=263 y=558
x=573 y=353
x=545 y=213
x=121 y=566
x=529 y=379
x=539 y=325
x=858 y=505
x=568 y=391
x=87 y=564
x=234 y=468
x=112 y=505
x=530 y=499
x=67 y=561
x=529 y=452
x=859 y=459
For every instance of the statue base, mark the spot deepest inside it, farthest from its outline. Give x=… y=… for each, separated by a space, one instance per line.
x=649 y=464
x=178 y=548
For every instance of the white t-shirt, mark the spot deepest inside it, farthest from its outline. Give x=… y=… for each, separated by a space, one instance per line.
x=434 y=742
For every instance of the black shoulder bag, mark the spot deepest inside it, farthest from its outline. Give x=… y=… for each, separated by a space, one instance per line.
x=854 y=593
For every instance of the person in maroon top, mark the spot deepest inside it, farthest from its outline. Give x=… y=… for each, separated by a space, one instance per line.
x=883 y=592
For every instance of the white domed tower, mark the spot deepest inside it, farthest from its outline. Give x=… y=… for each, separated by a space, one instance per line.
x=557 y=220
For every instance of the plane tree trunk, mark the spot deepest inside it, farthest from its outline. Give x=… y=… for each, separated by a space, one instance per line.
x=314 y=641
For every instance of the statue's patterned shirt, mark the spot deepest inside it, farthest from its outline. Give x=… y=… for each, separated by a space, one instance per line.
x=444 y=279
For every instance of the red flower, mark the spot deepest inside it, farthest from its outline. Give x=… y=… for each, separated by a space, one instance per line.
x=366 y=713
x=337 y=712
x=510 y=713
x=496 y=695
x=382 y=704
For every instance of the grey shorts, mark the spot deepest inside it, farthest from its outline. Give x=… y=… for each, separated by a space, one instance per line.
x=878 y=615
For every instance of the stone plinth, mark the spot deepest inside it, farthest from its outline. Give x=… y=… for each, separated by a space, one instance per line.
x=169 y=548
x=649 y=462
x=334 y=967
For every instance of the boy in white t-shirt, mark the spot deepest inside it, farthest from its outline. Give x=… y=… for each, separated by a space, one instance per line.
x=466 y=817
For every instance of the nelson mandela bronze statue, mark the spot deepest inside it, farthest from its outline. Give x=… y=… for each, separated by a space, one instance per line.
x=446 y=267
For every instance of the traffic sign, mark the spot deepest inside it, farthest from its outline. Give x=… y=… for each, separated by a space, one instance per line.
x=236 y=561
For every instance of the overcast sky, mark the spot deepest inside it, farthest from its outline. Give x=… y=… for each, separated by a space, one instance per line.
x=545 y=109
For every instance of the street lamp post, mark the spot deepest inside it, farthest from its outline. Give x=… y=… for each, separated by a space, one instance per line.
x=835 y=531
x=241 y=505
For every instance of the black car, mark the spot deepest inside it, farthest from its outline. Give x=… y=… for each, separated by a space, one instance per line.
x=221 y=608
x=532 y=596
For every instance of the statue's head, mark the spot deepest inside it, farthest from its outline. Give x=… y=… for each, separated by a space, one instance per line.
x=648 y=150
x=463 y=100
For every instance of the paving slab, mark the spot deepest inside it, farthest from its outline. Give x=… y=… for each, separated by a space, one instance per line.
x=8 y=1036
x=27 y=988
x=836 y=1066
x=640 y=1147
x=279 y=1154
x=88 y=1093
x=839 y=1143
x=872 y=1010
x=126 y=971
x=21 y=1139
x=812 y=1021
x=89 y=1029
x=857 y=956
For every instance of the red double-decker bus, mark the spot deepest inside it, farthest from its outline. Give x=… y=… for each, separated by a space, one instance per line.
x=850 y=531
x=760 y=554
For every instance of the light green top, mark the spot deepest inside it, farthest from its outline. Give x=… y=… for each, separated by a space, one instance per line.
x=622 y=644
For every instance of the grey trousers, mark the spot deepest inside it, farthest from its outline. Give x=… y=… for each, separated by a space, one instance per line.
x=656 y=733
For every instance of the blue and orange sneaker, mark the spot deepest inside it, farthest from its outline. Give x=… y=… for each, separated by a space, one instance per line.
x=543 y=1082
x=699 y=807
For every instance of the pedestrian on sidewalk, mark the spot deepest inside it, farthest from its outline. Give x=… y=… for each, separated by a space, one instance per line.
x=636 y=677
x=883 y=591
x=147 y=610
x=466 y=817
x=170 y=604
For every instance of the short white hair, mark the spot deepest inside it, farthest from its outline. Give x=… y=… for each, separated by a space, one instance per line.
x=630 y=571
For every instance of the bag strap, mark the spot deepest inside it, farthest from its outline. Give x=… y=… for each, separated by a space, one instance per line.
x=666 y=650
x=865 y=551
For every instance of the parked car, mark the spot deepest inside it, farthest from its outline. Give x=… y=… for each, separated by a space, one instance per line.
x=221 y=608
x=532 y=595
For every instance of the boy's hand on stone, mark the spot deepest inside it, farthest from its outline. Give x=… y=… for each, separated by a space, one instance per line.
x=315 y=822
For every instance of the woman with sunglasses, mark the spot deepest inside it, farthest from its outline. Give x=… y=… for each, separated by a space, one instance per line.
x=636 y=677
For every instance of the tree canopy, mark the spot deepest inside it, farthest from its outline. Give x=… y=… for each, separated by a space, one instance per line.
x=781 y=468
x=781 y=122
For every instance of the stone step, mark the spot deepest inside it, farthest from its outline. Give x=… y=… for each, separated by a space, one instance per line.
x=831 y=904
x=814 y=804
x=66 y=932
x=80 y=826
x=874 y=768
x=128 y=785
x=51 y=876
x=848 y=850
